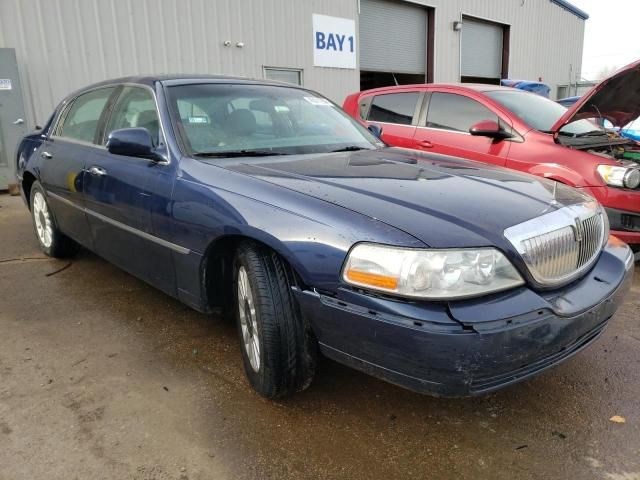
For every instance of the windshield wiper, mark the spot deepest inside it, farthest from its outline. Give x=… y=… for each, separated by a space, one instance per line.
x=239 y=153
x=350 y=148
x=591 y=133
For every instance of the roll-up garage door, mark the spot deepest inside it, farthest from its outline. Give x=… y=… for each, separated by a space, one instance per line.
x=481 y=49
x=393 y=37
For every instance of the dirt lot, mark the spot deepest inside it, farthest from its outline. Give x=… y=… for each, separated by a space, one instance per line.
x=101 y=376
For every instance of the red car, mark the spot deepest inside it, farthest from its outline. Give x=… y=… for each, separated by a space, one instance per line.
x=523 y=131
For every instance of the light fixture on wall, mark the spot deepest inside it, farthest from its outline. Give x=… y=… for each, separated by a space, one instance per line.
x=457 y=26
x=227 y=43
x=240 y=44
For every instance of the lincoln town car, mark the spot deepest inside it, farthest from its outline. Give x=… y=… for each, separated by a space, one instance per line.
x=267 y=203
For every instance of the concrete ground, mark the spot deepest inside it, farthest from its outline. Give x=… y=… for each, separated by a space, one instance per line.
x=103 y=377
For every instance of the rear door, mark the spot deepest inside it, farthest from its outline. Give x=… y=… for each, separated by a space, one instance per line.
x=64 y=153
x=444 y=125
x=396 y=113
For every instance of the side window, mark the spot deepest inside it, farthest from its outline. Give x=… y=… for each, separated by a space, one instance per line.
x=393 y=108
x=135 y=108
x=81 y=120
x=455 y=112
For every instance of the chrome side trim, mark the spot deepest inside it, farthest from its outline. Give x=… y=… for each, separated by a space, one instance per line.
x=66 y=201
x=127 y=228
x=446 y=130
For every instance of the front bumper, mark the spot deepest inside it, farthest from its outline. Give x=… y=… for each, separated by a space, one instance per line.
x=469 y=347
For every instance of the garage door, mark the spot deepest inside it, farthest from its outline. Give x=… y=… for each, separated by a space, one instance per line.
x=393 y=37
x=481 y=55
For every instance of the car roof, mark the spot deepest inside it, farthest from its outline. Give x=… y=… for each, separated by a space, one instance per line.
x=180 y=79
x=477 y=87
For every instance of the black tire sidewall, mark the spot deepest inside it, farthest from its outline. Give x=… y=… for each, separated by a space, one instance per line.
x=260 y=380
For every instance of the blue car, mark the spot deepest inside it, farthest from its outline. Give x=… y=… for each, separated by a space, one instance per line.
x=568 y=102
x=631 y=130
x=268 y=202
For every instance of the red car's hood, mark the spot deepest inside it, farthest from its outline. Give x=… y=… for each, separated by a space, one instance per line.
x=616 y=98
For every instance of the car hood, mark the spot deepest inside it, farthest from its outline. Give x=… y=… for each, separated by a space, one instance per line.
x=616 y=98
x=442 y=201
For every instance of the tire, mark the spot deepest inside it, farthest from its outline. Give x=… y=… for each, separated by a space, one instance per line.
x=52 y=241
x=278 y=349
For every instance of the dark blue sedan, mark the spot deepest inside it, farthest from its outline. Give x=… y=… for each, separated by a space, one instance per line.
x=263 y=200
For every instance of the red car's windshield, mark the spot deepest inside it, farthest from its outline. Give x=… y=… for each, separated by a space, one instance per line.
x=539 y=112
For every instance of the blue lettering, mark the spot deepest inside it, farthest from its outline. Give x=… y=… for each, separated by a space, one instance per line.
x=331 y=42
x=340 y=41
x=320 y=43
x=351 y=44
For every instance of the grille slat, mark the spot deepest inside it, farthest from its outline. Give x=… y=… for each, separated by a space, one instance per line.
x=557 y=250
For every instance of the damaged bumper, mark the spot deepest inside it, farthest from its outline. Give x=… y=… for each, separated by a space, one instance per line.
x=469 y=347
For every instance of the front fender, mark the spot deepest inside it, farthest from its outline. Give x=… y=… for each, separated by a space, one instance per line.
x=559 y=173
x=314 y=236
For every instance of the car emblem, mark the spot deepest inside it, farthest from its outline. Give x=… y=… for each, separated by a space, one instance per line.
x=579 y=230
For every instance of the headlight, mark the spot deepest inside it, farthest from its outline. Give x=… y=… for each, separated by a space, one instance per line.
x=429 y=274
x=620 y=176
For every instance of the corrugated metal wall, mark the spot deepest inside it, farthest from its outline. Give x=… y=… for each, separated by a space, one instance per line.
x=63 y=45
x=546 y=40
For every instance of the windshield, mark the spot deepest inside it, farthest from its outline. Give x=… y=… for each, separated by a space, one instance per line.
x=539 y=112
x=214 y=119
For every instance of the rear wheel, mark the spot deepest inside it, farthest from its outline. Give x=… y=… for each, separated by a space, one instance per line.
x=52 y=241
x=278 y=349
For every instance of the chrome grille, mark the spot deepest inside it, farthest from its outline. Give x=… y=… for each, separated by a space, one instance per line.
x=560 y=245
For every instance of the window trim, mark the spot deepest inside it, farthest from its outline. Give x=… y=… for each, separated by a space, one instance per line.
x=416 y=110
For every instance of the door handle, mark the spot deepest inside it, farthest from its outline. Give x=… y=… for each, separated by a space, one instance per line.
x=425 y=144
x=46 y=155
x=98 y=171
x=19 y=121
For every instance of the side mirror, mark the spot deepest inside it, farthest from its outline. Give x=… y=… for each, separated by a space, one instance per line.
x=376 y=130
x=133 y=142
x=489 y=128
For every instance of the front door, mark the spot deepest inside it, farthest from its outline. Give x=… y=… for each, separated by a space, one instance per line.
x=12 y=118
x=445 y=129
x=121 y=191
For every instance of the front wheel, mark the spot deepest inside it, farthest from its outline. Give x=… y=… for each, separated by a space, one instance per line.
x=52 y=241
x=278 y=349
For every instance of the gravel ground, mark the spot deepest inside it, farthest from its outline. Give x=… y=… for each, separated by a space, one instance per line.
x=104 y=377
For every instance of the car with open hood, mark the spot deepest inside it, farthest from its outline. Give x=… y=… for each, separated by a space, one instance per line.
x=523 y=131
x=267 y=202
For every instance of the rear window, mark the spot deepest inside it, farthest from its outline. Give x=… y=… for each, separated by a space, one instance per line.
x=394 y=108
x=81 y=120
x=449 y=111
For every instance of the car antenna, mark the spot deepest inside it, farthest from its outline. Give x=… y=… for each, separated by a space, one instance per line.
x=604 y=129
x=394 y=78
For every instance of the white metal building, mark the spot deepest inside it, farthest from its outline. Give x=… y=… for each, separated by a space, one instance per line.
x=332 y=46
